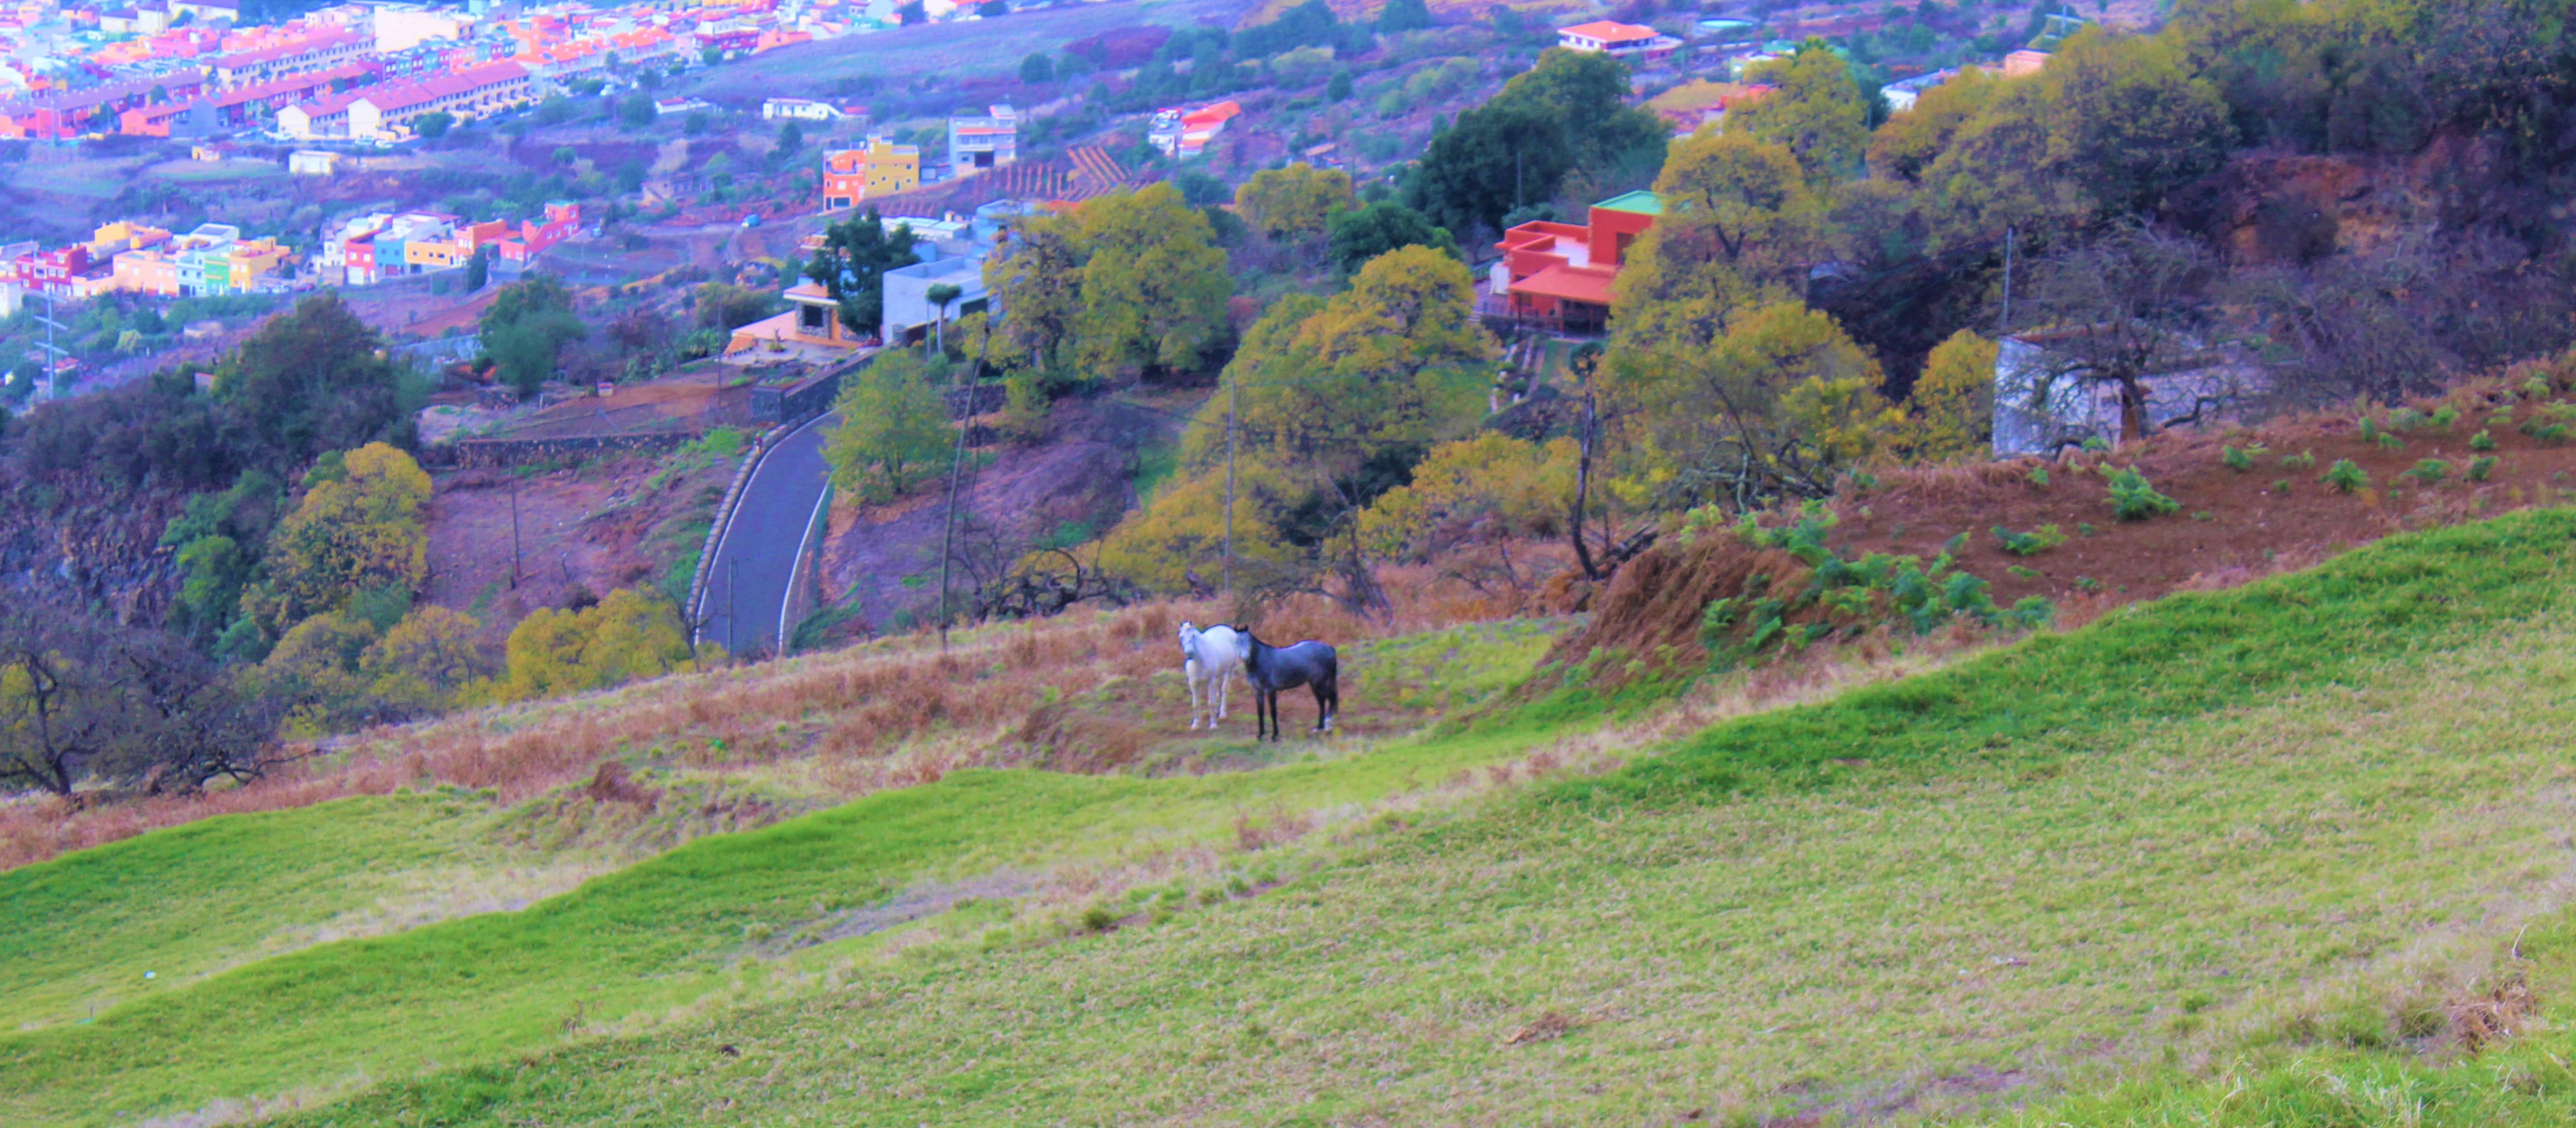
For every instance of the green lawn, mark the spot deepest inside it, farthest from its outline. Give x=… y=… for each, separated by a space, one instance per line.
x=2252 y=822
x=82 y=931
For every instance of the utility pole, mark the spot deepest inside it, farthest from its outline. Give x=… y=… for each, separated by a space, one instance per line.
x=1230 y=386
x=46 y=388
x=956 y=467
x=2004 y=326
x=514 y=531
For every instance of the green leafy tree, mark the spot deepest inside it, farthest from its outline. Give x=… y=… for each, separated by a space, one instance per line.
x=1587 y=93
x=1040 y=282
x=1037 y=69
x=478 y=269
x=1495 y=158
x=1403 y=15
x=636 y=111
x=851 y=266
x=791 y=137
x=1338 y=87
x=526 y=327
x=434 y=124
x=1816 y=110
x=894 y=432
x=313 y=379
x=1361 y=234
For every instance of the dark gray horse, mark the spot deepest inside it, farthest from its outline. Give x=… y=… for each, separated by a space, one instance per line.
x=1274 y=668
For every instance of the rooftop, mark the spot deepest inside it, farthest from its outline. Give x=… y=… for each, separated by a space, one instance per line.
x=1609 y=31
x=1639 y=202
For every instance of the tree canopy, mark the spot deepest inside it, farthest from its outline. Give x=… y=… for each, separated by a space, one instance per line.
x=851 y=266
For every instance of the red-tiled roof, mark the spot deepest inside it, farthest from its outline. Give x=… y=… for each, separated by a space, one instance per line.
x=1609 y=31
x=1569 y=283
x=404 y=95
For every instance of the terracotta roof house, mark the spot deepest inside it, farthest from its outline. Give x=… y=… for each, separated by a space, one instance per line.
x=1560 y=274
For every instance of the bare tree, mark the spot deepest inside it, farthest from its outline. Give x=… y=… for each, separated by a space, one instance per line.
x=2119 y=309
x=2402 y=319
x=82 y=699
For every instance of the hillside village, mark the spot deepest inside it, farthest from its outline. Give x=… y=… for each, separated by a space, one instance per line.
x=1794 y=564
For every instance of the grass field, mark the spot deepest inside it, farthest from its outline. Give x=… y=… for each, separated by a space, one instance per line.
x=85 y=930
x=2274 y=821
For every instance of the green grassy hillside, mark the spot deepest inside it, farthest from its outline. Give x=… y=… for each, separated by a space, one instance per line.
x=2273 y=821
x=83 y=931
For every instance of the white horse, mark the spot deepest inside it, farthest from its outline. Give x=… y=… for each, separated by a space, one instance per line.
x=1209 y=658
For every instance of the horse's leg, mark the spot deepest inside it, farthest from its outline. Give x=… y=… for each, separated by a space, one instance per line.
x=1190 y=671
x=1224 y=685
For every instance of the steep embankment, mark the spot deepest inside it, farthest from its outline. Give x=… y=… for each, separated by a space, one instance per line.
x=2293 y=811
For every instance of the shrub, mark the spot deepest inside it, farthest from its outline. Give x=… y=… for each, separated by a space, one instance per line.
x=1098 y=918
x=2235 y=459
x=2480 y=468
x=2482 y=441
x=2429 y=471
x=2300 y=461
x=2032 y=543
x=2369 y=429
x=2039 y=476
x=2552 y=435
x=2391 y=442
x=2344 y=476
x=2281 y=486
x=2133 y=499
x=2445 y=417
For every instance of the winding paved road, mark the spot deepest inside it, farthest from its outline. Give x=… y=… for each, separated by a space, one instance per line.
x=745 y=605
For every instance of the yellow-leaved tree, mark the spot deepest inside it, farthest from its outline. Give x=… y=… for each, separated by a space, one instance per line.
x=1332 y=399
x=1778 y=406
x=1950 y=412
x=359 y=527
x=625 y=636
x=1293 y=203
x=1492 y=487
x=1154 y=282
x=1740 y=227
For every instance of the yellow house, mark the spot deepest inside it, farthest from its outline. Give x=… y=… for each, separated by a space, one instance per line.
x=882 y=169
x=436 y=254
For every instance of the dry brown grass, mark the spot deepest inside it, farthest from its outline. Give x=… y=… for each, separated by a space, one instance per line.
x=895 y=712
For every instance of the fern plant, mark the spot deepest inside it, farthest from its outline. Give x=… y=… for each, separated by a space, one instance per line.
x=2482 y=441
x=2134 y=499
x=2032 y=543
x=2480 y=468
x=2301 y=461
x=2344 y=476
x=2235 y=459
x=2429 y=471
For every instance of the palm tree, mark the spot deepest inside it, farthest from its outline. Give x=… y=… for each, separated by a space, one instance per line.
x=940 y=295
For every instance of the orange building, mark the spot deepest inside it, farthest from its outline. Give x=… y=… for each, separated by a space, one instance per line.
x=1561 y=273
x=882 y=169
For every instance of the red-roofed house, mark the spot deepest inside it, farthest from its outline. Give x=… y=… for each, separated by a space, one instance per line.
x=1186 y=133
x=1620 y=40
x=1561 y=273
x=57 y=115
x=311 y=53
x=380 y=111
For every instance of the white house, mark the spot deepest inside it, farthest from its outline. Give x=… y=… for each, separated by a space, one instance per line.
x=800 y=109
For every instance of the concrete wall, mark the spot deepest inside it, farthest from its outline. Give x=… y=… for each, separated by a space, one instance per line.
x=493 y=453
x=907 y=293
